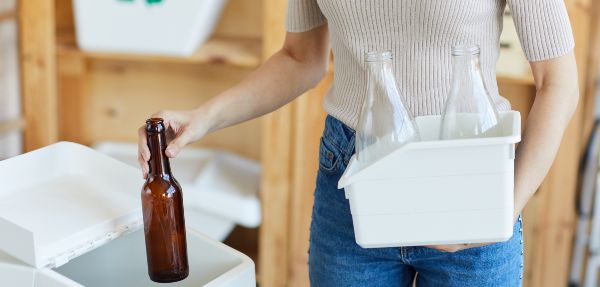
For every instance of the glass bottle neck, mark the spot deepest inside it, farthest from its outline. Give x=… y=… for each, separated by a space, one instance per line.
x=466 y=63
x=376 y=67
x=159 y=162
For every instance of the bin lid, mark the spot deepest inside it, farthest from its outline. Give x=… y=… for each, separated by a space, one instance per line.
x=64 y=200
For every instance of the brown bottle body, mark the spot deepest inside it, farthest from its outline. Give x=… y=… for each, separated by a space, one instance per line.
x=162 y=205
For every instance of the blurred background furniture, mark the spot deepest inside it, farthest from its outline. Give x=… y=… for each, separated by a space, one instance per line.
x=87 y=97
x=586 y=244
x=11 y=122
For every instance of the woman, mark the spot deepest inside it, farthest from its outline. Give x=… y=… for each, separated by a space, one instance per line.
x=420 y=34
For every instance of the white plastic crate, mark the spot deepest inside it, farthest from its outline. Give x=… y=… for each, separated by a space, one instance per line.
x=72 y=217
x=167 y=27
x=436 y=192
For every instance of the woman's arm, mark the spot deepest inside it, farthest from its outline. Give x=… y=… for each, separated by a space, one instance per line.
x=297 y=67
x=555 y=102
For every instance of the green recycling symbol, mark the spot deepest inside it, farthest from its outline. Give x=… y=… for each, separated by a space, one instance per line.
x=149 y=2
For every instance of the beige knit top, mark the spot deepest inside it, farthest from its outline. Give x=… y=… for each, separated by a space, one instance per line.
x=420 y=34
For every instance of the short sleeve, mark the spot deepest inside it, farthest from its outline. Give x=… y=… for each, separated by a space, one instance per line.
x=543 y=27
x=303 y=15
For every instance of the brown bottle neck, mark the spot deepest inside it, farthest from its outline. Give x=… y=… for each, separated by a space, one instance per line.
x=159 y=162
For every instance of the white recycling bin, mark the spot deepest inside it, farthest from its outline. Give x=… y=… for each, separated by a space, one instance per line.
x=71 y=216
x=436 y=192
x=165 y=27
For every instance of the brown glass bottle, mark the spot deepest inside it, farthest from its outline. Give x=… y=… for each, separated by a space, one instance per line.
x=162 y=204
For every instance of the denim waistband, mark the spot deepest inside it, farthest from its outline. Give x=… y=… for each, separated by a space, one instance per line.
x=340 y=135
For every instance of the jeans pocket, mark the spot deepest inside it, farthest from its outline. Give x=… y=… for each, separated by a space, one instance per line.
x=328 y=156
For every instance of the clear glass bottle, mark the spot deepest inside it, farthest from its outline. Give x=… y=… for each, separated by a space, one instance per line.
x=469 y=111
x=385 y=123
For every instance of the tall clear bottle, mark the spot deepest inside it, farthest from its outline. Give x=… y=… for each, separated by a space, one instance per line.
x=469 y=111
x=385 y=122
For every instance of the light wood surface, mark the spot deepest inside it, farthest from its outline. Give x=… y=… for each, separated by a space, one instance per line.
x=525 y=80
x=276 y=183
x=242 y=52
x=241 y=19
x=108 y=100
x=38 y=72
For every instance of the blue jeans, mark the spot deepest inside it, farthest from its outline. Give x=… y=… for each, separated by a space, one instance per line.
x=336 y=260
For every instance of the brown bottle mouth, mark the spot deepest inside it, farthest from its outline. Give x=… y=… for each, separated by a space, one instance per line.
x=154 y=121
x=155 y=125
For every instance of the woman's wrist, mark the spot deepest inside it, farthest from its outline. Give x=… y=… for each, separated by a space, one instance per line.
x=206 y=118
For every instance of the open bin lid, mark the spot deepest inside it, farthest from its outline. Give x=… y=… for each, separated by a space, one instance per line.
x=63 y=200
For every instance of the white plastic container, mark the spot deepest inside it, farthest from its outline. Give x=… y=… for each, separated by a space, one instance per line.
x=72 y=217
x=436 y=192
x=134 y=26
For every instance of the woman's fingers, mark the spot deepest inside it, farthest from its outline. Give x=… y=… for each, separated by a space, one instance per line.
x=175 y=146
x=179 y=133
x=171 y=119
x=143 y=151
x=451 y=248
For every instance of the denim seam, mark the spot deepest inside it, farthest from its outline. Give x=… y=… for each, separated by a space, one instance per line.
x=334 y=161
x=522 y=268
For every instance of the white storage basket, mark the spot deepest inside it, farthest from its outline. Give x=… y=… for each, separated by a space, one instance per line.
x=171 y=27
x=436 y=192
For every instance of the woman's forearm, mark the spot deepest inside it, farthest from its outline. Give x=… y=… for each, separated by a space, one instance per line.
x=297 y=67
x=280 y=80
x=555 y=102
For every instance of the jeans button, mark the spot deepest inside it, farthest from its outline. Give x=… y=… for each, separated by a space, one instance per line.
x=329 y=155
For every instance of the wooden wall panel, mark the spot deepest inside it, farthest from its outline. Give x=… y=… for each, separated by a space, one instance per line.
x=276 y=183
x=72 y=100
x=112 y=99
x=38 y=72
x=241 y=18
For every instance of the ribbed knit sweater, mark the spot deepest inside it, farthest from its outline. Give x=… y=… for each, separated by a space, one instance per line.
x=420 y=34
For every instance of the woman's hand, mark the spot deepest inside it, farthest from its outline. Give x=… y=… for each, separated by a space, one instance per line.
x=182 y=127
x=451 y=248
